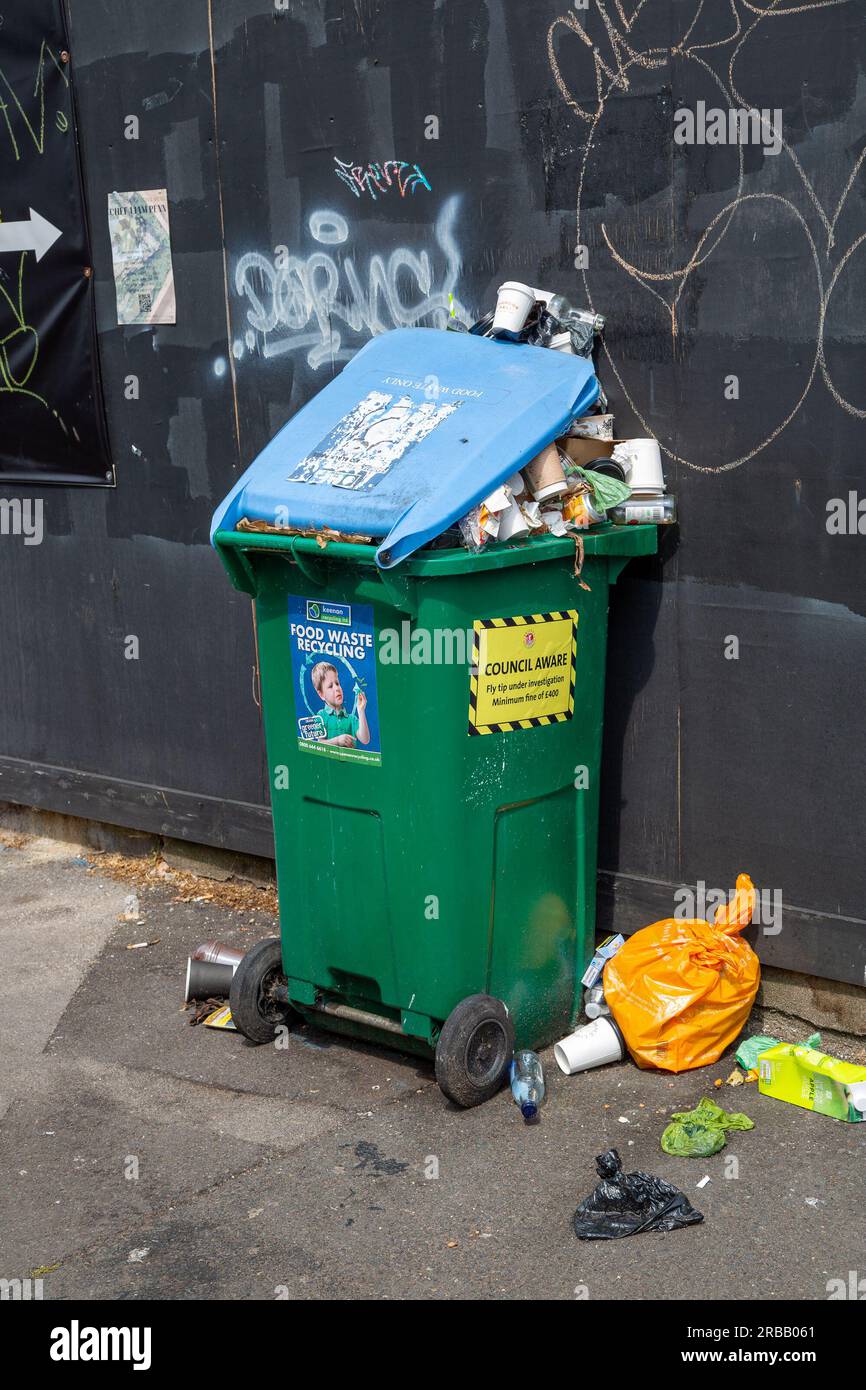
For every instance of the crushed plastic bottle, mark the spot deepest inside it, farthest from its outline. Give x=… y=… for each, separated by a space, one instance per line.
x=527 y=1083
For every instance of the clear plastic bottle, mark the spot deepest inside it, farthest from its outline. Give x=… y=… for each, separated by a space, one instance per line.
x=527 y=1083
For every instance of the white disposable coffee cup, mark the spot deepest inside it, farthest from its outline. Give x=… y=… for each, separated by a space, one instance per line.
x=513 y=305
x=643 y=466
x=591 y=1046
x=512 y=524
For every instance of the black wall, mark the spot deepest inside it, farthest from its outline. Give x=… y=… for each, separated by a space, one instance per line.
x=709 y=262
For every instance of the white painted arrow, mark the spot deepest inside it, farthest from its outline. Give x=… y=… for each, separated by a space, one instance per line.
x=37 y=235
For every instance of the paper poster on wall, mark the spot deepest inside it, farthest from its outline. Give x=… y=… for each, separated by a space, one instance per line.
x=368 y=441
x=522 y=672
x=334 y=679
x=141 y=256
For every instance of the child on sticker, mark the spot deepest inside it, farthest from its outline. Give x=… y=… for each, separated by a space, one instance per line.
x=341 y=728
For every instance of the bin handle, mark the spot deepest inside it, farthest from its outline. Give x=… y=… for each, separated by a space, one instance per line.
x=398 y=590
x=310 y=571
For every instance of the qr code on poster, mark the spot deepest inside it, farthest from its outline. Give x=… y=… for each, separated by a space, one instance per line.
x=145 y=302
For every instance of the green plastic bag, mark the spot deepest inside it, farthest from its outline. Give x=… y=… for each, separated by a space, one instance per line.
x=606 y=491
x=749 y=1051
x=700 y=1132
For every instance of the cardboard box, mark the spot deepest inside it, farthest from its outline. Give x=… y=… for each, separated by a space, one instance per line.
x=583 y=451
x=603 y=954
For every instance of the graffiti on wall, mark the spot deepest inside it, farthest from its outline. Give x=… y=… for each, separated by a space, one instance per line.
x=327 y=305
x=49 y=383
x=23 y=130
x=612 y=60
x=379 y=178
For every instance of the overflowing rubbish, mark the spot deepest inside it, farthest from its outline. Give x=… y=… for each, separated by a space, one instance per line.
x=580 y=482
x=421 y=393
x=681 y=991
x=593 y=1045
x=528 y=315
x=527 y=1083
x=625 y=1204
x=803 y=1076
x=703 y=1131
x=603 y=953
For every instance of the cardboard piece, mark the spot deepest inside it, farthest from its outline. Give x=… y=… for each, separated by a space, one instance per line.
x=583 y=451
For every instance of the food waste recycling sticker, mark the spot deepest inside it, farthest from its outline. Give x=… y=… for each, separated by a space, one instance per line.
x=334 y=679
x=522 y=672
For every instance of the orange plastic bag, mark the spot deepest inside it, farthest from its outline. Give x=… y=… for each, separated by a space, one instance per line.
x=682 y=991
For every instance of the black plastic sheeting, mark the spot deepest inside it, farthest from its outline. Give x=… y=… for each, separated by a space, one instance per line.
x=51 y=414
x=495 y=158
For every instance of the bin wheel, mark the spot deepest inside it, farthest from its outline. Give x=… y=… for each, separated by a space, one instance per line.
x=474 y=1050
x=255 y=1012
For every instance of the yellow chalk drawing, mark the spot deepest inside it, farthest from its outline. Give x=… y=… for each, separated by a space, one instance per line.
x=45 y=53
x=22 y=330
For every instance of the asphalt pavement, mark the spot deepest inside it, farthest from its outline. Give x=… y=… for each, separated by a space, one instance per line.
x=146 y=1158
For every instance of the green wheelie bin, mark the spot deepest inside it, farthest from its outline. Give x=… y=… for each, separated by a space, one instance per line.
x=434 y=744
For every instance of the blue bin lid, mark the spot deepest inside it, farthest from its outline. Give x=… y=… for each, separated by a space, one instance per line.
x=418 y=427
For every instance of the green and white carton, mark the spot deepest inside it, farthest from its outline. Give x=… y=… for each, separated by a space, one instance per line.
x=803 y=1076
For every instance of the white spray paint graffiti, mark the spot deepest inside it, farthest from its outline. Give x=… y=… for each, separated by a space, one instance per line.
x=296 y=302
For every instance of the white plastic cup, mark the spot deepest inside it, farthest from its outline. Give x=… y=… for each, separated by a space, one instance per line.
x=593 y=1045
x=512 y=524
x=513 y=304
x=643 y=466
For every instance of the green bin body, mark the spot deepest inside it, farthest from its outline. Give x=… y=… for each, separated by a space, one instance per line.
x=463 y=861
